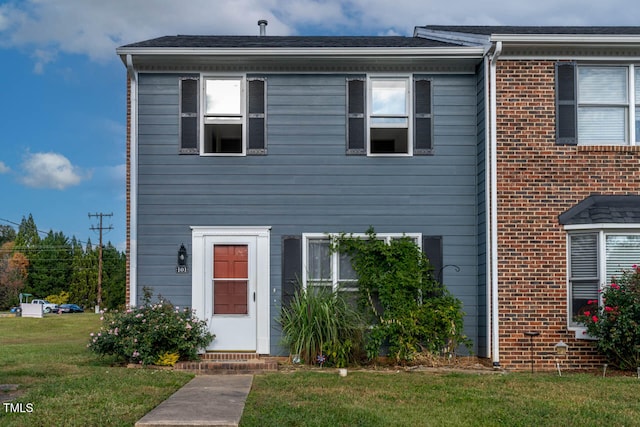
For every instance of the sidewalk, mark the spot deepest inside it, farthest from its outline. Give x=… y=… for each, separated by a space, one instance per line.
x=206 y=400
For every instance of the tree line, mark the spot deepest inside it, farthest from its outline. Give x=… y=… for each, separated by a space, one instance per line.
x=57 y=268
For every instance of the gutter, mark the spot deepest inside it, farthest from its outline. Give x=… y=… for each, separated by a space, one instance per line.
x=371 y=52
x=493 y=212
x=132 y=75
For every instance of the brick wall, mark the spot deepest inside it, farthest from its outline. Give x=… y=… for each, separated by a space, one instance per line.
x=537 y=181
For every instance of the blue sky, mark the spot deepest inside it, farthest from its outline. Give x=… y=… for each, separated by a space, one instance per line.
x=63 y=89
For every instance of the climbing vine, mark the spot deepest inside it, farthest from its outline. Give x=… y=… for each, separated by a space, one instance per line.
x=410 y=311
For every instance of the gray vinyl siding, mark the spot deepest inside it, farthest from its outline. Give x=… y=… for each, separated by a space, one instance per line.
x=306 y=183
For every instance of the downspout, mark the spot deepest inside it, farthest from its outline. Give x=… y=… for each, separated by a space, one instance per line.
x=133 y=182
x=495 y=335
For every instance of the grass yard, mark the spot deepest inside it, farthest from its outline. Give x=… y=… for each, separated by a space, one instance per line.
x=428 y=399
x=65 y=384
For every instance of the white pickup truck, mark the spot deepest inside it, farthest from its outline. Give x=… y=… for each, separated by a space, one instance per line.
x=47 y=307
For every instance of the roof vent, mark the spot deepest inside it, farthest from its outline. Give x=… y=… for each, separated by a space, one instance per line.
x=263 y=27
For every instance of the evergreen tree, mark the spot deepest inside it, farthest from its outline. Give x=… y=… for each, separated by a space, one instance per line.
x=50 y=266
x=83 y=285
x=7 y=234
x=27 y=238
x=113 y=277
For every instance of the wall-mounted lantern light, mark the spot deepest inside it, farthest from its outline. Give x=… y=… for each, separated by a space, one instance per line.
x=182 y=259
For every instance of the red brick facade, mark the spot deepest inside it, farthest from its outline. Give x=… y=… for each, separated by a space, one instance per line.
x=537 y=181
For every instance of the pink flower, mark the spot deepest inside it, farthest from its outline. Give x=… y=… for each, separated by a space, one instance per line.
x=587 y=313
x=615 y=286
x=595 y=319
x=608 y=309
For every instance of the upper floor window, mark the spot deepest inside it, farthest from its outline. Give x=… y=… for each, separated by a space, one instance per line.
x=389 y=115
x=230 y=119
x=598 y=105
x=223 y=116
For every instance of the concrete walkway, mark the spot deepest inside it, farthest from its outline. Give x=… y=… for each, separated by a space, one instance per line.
x=206 y=400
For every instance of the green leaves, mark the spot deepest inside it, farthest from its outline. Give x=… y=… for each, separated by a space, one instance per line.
x=410 y=311
x=144 y=334
x=616 y=322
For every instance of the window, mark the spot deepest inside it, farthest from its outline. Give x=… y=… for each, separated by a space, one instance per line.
x=596 y=104
x=223 y=118
x=391 y=117
x=233 y=116
x=334 y=270
x=595 y=258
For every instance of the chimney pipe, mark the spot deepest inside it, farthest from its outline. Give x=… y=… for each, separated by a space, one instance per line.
x=263 y=27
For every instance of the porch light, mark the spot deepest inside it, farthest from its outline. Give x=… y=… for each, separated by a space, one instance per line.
x=182 y=255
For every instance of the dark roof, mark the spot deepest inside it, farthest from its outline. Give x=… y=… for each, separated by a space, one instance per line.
x=488 y=30
x=187 y=41
x=600 y=209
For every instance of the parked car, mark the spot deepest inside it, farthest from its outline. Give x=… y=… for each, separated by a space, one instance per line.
x=70 y=308
x=47 y=306
x=15 y=310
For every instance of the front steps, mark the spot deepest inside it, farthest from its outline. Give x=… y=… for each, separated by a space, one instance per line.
x=229 y=363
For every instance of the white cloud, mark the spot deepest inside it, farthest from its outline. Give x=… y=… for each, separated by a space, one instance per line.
x=96 y=27
x=50 y=170
x=4 y=168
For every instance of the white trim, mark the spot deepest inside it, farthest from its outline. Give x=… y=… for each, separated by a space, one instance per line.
x=133 y=189
x=242 y=77
x=568 y=39
x=307 y=52
x=409 y=79
x=604 y=226
x=263 y=285
x=493 y=206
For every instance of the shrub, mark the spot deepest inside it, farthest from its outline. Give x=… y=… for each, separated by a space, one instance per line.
x=410 y=311
x=616 y=322
x=150 y=333
x=320 y=321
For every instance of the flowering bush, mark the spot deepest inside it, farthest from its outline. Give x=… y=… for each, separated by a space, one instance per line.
x=146 y=334
x=616 y=323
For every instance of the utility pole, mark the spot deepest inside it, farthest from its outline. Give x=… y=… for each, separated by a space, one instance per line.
x=100 y=227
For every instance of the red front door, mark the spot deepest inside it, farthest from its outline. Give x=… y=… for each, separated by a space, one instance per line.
x=230 y=279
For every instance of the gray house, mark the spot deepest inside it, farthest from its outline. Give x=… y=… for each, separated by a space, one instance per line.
x=245 y=152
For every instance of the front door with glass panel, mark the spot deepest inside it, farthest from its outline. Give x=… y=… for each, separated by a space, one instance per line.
x=231 y=292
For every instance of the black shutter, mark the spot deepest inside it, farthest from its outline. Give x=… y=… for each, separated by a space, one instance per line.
x=189 y=115
x=566 y=104
x=256 y=117
x=423 y=118
x=291 y=267
x=432 y=248
x=356 y=131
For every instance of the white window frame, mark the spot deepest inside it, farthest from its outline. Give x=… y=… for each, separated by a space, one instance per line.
x=630 y=105
x=335 y=257
x=242 y=78
x=408 y=79
x=603 y=230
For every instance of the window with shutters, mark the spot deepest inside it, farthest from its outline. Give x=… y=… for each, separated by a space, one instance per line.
x=389 y=115
x=598 y=105
x=229 y=120
x=323 y=267
x=595 y=259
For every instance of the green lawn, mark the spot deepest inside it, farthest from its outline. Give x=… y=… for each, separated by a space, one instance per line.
x=428 y=399
x=65 y=384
